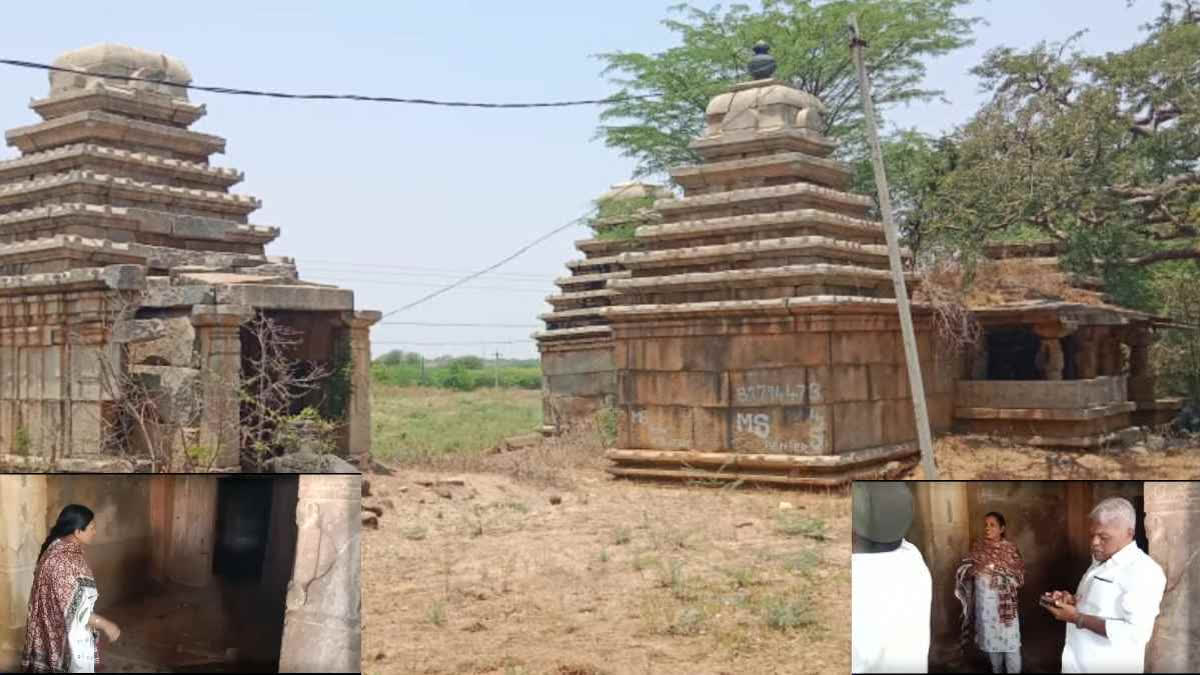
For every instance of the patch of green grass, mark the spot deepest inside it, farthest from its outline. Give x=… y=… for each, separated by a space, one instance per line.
x=795 y=524
x=416 y=423
x=784 y=614
x=436 y=614
x=802 y=562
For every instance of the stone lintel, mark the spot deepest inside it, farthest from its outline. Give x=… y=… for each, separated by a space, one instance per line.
x=293 y=297
x=95 y=125
x=137 y=103
x=221 y=315
x=569 y=333
x=1054 y=330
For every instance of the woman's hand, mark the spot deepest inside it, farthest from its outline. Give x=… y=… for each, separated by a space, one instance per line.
x=111 y=630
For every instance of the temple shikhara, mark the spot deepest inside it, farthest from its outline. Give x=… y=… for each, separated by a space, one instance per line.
x=748 y=328
x=124 y=257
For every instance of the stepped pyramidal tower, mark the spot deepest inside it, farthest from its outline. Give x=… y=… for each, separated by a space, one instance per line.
x=578 y=376
x=756 y=333
x=122 y=249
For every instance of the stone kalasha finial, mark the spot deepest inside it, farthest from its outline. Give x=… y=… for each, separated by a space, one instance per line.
x=762 y=64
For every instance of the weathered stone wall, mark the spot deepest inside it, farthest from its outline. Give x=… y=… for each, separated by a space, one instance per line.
x=120 y=554
x=322 y=626
x=805 y=385
x=22 y=530
x=578 y=381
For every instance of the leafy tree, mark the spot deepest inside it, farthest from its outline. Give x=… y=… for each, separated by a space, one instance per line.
x=1097 y=152
x=809 y=41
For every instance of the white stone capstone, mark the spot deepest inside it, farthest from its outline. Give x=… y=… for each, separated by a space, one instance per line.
x=114 y=59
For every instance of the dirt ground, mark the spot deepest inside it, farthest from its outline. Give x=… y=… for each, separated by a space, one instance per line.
x=476 y=570
x=490 y=576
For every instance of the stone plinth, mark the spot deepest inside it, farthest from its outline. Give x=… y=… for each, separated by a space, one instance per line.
x=113 y=220
x=757 y=327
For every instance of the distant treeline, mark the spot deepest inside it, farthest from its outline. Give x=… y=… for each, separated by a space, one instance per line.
x=464 y=373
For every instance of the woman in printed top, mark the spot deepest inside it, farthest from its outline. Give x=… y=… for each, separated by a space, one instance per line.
x=986 y=583
x=60 y=631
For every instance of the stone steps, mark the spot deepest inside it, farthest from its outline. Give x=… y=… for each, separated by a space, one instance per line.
x=92 y=126
x=848 y=275
x=822 y=222
x=31 y=193
x=569 y=298
x=828 y=172
x=870 y=255
x=776 y=198
x=66 y=158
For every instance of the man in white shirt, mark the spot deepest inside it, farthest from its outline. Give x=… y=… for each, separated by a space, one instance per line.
x=891 y=592
x=1111 y=616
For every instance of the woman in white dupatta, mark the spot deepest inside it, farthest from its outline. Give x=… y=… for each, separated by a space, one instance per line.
x=60 y=631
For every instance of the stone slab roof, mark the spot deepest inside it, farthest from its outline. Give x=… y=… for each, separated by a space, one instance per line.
x=113 y=98
x=834 y=224
x=807 y=193
x=810 y=245
x=70 y=157
x=95 y=125
x=210 y=200
x=849 y=275
x=828 y=172
x=136 y=219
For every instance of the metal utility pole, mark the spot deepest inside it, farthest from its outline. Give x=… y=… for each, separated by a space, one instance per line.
x=911 y=356
x=497 y=369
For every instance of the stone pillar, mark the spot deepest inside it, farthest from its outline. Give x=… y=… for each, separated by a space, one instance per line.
x=218 y=334
x=321 y=628
x=941 y=530
x=1111 y=358
x=358 y=411
x=22 y=530
x=193 y=530
x=1173 y=528
x=1087 y=355
x=1050 y=356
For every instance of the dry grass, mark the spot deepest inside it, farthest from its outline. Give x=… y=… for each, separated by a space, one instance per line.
x=985 y=458
x=619 y=577
x=1001 y=282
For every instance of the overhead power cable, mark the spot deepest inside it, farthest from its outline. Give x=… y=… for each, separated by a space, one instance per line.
x=459 y=325
x=487 y=269
x=329 y=97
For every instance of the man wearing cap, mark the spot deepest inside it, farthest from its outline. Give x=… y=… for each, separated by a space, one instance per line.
x=891 y=591
x=1111 y=616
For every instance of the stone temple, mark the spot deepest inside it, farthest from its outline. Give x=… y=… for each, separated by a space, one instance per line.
x=748 y=328
x=113 y=208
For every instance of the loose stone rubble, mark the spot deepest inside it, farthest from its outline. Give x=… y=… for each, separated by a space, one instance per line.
x=113 y=204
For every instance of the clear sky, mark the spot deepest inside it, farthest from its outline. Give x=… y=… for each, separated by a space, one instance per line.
x=394 y=200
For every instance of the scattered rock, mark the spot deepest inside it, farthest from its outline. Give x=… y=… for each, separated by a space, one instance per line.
x=370 y=520
x=443 y=493
x=378 y=511
x=453 y=482
x=1156 y=443
x=403 y=489
x=555 y=499
x=784 y=506
x=366 y=487
x=379 y=467
x=380 y=656
x=1139 y=449
x=475 y=627
x=308 y=462
x=517 y=443
x=387 y=502
x=748 y=523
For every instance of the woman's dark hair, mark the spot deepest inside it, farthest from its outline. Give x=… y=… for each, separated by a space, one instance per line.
x=999 y=519
x=71 y=519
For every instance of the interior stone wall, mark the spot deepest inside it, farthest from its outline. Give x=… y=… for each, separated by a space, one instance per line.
x=22 y=522
x=121 y=553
